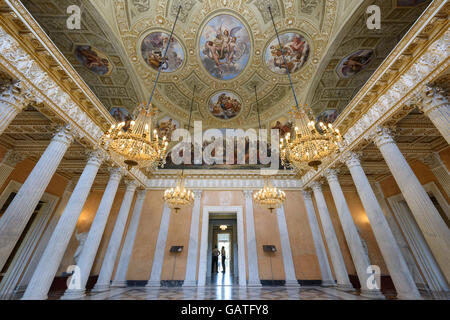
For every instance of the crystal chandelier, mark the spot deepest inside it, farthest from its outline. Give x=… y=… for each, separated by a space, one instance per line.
x=223 y=227
x=180 y=196
x=134 y=141
x=312 y=142
x=269 y=196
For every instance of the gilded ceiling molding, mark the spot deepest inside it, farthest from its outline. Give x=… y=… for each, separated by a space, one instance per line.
x=160 y=19
x=433 y=61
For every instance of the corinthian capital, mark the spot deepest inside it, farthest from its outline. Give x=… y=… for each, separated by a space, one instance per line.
x=316 y=186
x=307 y=194
x=97 y=156
x=432 y=97
x=331 y=175
x=381 y=136
x=16 y=95
x=63 y=135
x=6 y=82
x=351 y=159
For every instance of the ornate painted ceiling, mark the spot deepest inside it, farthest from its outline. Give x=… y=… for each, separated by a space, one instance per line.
x=225 y=48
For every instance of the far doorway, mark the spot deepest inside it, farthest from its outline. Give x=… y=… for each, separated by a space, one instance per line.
x=223 y=250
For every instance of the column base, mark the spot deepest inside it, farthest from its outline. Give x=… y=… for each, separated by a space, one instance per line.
x=254 y=283
x=100 y=288
x=408 y=297
x=328 y=283
x=372 y=294
x=73 y=294
x=119 y=284
x=189 y=283
x=44 y=297
x=153 y=284
x=345 y=287
x=292 y=284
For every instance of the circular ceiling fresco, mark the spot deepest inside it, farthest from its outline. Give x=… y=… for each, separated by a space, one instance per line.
x=295 y=48
x=153 y=47
x=225 y=105
x=224 y=47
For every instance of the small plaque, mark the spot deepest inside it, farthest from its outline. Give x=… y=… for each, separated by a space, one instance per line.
x=269 y=248
x=176 y=249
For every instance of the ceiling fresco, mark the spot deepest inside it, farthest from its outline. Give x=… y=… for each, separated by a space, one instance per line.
x=359 y=53
x=93 y=50
x=225 y=49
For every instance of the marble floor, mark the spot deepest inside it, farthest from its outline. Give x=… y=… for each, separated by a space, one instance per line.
x=224 y=293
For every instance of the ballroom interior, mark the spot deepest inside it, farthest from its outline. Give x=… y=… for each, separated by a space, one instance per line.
x=349 y=201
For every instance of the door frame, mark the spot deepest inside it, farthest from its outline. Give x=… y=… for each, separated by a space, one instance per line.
x=202 y=270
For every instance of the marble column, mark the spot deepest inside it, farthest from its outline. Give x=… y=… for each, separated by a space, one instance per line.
x=9 y=162
x=252 y=253
x=398 y=269
x=430 y=222
x=105 y=276
x=399 y=238
x=343 y=281
x=120 y=278
x=324 y=265
x=22 y=207
x=430 y=269
x=434 y=162
x=51 y=258
x=192 y=258
x=158 y=258
x=12 y=102
x=359 y=256
x=89 y=251
x=289 y=269
x=436 y=107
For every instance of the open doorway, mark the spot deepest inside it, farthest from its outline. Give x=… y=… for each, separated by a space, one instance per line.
x=222 y=257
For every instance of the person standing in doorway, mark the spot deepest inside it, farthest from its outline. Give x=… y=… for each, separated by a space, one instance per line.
x=215 y=260
x=224 y=256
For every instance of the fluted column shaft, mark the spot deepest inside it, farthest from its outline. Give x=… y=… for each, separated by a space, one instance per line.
x=191 y=265
x=51 y=258
x=95 y=235
x=286 y=251
x=22 y=207
x=360 y=259
x=429 y=220
x=120 y=278
x=436 y=107
x=158 y=258
x=252 y=252
x=324 y=265
x=337 y=259
x=398 y=269
x=440 y=171
x=107 y=269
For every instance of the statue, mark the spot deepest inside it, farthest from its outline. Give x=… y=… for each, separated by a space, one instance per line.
x=81 y=237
